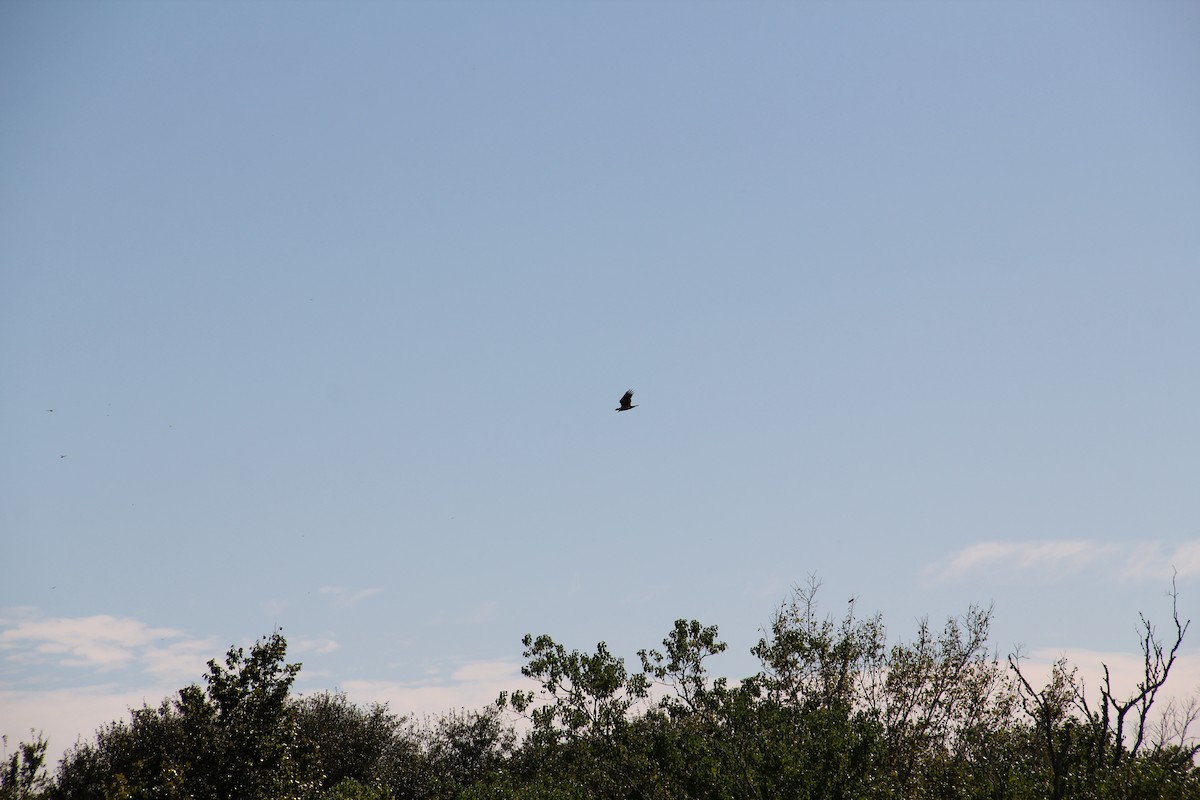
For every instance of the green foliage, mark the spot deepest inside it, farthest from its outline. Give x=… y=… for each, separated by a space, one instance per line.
x=355 y=745
x=237 y=737
x=456 y=751
x=582 y=695
x=937 y=699
x=813 y=662
x=22 y=774
x=144 y=758
x=350 y=789
x=682 y=668
x=834 y=711
x=250 y=734
x=581 y=718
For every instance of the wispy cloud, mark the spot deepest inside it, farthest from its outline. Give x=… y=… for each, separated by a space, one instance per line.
x=121 y=663
x=319 y=644
x=1154 y=561
x=345 y=598
x=185 y=659
x=1056 y=557
x=67 y=676
x=100 y=642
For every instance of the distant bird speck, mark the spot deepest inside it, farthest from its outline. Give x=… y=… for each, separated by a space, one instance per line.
x=62 y=456
x=626 y=401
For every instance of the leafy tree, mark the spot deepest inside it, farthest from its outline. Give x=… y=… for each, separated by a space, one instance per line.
x=145 y=757
x=350 y=789
x=693 y=744
x=582 y=694
x=258 y=752
x=237 y=737
x=581 y=715
x=22 y=774
x=682 y=668
x=834 y=711
x=818 y=736
x=356 y=746
x=812 y=662
x=937 y=696
x=459 y=750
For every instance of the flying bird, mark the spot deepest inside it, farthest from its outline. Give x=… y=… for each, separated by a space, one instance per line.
x=626 y=401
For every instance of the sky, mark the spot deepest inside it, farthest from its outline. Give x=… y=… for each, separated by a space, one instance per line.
x=314 y=317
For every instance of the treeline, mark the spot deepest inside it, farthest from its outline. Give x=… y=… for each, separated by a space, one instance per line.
x=833 y=712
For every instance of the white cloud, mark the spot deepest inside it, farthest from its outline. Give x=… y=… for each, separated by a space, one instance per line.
x=66 y=715
x=1132 y=561
x=127 y=652
x=1186 y=558
x=472 y=685
x=1148 y=561
x=176 y=660
x=102 y=642
x=486 y=672
x=319 y=645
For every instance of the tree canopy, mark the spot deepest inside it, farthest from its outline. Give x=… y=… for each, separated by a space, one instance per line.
x=834 y=711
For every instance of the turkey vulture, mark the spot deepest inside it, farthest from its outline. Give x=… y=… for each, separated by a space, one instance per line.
x=626 y=401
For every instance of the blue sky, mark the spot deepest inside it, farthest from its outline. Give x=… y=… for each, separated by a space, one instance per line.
x=333 y=304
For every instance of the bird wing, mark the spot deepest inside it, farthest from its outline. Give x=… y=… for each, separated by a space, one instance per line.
x=627 y=398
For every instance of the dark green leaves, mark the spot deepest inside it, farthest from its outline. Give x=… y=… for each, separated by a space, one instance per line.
x=835 y=711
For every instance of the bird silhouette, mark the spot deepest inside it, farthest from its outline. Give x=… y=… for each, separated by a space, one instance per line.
x=626 y=401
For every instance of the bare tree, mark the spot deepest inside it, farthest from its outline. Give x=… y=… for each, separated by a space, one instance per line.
x=1130 y=715
x=1121 y=725
x=1173 y=729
